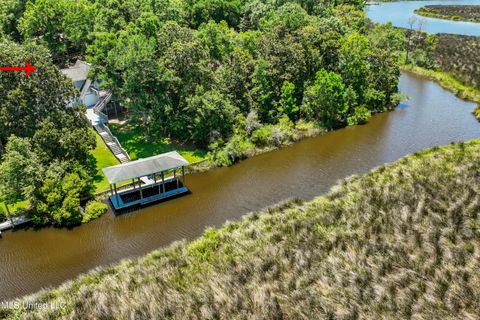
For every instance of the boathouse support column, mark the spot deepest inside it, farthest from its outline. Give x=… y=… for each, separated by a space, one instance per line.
x=141 y=189
x=175 y=176
x=159 y=186
x=183 y=176
x=163 y=182
x=116 y=194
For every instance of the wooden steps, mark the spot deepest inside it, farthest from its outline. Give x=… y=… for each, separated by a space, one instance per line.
x=112 y=143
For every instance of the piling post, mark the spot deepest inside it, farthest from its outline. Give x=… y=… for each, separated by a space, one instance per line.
x=116 y=194
x=163 y=182
x=140 y=186
x=183 y=175
x=175 y=176
x=9 y=215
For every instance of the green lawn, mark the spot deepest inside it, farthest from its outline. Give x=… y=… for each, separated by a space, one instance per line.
x=104 y=158
x=15 y=209
x=133 y=141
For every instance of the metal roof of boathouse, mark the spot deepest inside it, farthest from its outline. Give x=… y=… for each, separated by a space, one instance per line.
x=144 y=167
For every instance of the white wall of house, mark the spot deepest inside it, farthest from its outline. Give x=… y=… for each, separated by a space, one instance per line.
x=90 y=99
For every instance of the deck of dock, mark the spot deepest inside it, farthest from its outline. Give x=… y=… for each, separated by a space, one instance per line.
x=17 y=221
x=150 y=193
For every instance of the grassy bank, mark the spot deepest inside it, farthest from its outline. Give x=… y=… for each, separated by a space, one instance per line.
x=237 y=148
x=400 y=242
x=15 y=209
x=103 y=158
x=469 y=13
x=450 y=83
x=133 y=141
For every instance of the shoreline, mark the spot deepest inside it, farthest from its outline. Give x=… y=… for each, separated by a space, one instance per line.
x=436 y=15
x=184 y=263
x=444 y=79
x=448 y=82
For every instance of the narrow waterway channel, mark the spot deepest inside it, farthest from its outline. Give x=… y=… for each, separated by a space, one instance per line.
x=399 y=12
x=30 y=260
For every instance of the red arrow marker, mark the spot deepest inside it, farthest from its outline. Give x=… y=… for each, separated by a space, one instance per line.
x=28 y=68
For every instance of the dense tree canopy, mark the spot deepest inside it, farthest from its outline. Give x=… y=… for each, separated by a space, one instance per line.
x=38 y=131
x=228 y=75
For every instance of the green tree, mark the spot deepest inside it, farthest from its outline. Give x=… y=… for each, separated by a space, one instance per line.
x=263 y=91
x=26 y=102
x=324 y=99
x=136 y=85
x=201 y=11
x=69 y=140
x=353 y=64
x=10 y=13
x=236 y=77
x=58 y=199
x=385 y=43
x=351 y=17
x=288 y=101
x=210 y=116
x=64 y=25
x=45 y=136
x=218 y=38
x=289 y=17
x=20 y=170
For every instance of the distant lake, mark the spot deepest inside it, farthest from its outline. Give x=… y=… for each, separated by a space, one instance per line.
x=399 y=12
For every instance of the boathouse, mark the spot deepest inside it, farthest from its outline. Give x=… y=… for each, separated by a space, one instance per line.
x=153 y=179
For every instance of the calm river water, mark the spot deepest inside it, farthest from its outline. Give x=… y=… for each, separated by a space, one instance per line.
x=399 y=12
x=30 y=260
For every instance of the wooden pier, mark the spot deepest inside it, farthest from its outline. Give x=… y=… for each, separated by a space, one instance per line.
x=150 y=183
x=16 y=221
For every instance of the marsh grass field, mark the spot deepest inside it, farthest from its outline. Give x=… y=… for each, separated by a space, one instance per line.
x=400 y=242
x=451 y=12
x=458 y=55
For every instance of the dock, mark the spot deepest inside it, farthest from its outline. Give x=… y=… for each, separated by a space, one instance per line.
x=17 y=221
x=147 y=194
x=150 y=183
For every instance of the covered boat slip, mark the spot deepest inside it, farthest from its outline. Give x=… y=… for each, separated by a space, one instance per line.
x=152 y=173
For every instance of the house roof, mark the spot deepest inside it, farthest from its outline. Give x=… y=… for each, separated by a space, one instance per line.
x=78 y=72
x=144 y=167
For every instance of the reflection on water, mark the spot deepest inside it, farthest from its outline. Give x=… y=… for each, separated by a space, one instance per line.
x=399 y=12
x=30 y=260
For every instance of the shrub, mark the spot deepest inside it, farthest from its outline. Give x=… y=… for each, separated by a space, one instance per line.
x=274 y=135
x=360 y=115
x=237 y=148
x=93 y=210
x=477 y=113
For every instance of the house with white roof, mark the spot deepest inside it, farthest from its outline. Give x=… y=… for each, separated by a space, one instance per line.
x=91 y=95
x=95 y=99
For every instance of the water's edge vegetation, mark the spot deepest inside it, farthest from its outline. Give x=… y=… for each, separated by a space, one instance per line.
x=401 y=241
x=449 y=82
x=469 y=13
x=231 y=78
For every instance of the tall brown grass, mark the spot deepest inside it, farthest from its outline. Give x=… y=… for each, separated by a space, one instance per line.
x=458 y=55
x=400 y=242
